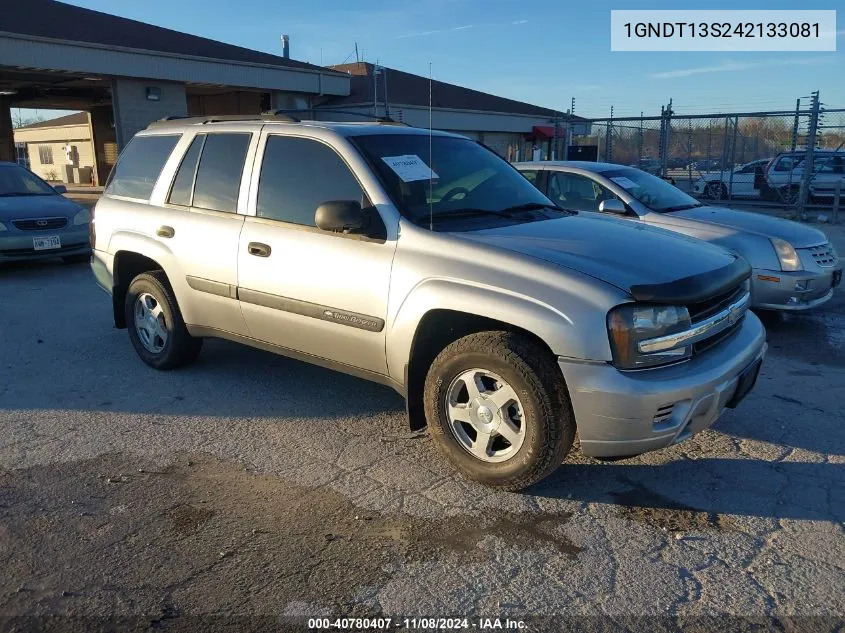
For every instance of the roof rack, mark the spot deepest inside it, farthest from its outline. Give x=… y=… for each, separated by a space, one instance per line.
x=380 y=120
x=272 y=115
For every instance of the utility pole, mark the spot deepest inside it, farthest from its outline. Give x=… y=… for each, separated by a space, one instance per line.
x=807 y=175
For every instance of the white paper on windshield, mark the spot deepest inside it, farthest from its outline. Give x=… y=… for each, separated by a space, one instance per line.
x=409 y=167
x=625 y=183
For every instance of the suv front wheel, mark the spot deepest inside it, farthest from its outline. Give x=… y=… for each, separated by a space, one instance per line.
x=498 y=408
x=155 y=323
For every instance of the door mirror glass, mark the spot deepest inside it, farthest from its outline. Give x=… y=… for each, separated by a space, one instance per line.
x=344 y=216
x=613 y=206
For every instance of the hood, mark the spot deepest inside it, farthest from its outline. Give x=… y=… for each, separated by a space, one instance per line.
x=628 y=255
x=799 y=235
x=28 y=207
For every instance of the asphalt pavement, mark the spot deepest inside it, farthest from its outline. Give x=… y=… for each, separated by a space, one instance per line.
x=257 y=491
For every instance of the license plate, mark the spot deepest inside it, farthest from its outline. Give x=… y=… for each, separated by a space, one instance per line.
x=837 y=278
x=745 y=383
x=46 y=243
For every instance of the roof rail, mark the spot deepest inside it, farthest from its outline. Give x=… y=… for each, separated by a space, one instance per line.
x=382 y=120
x=223 y=118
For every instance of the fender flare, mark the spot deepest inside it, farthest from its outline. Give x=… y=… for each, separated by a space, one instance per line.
x=548 y=323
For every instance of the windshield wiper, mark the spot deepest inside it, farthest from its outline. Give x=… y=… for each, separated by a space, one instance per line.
x=681 y=207
x=463 y=213
x=535 y=206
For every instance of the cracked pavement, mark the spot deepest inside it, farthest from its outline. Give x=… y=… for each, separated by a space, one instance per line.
x=257 y=487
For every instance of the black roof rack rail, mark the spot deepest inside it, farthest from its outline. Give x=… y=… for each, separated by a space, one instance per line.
x=383 y=120
x=224 y=118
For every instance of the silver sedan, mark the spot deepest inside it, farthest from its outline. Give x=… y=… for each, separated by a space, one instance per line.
x=795 y=267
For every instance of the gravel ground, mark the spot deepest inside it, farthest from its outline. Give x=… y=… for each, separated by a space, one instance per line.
x=251 y=491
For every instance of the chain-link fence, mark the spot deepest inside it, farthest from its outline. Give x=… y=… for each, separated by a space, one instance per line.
x=750 y=156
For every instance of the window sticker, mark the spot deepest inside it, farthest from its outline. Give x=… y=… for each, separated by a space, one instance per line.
x=409 y=167
x=625 y=183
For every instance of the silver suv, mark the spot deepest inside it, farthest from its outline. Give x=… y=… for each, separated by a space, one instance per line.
x=425 y=262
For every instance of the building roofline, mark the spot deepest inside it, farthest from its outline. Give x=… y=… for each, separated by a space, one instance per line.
x=316 y=70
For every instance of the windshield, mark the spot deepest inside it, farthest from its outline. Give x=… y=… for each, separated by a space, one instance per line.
x=467 y=181
x=657 y=194
x=17 y=181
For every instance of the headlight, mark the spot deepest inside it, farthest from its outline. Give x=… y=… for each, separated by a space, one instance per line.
x=82 y=217
x=630 y=324
x=787 y=255
x=3 y=227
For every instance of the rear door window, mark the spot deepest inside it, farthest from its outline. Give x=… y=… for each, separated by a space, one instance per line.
x=221 y=166
x=140 y=165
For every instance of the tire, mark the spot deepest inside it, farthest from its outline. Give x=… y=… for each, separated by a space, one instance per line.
x=788 y=195
x=715 y=191
x=546 y=424
x=177 y=348
x=77 y=259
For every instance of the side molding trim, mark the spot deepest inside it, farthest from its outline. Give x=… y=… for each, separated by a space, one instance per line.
x=313 y=310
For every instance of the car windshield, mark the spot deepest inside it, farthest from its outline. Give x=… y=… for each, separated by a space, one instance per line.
x=17 y=181
x=458 y=181
x=657 y=194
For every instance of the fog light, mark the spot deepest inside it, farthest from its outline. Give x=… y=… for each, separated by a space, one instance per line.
x=793 y=301
x=803 y=285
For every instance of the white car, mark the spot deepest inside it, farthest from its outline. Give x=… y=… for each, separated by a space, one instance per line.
x=786 y=170
x=739 y=182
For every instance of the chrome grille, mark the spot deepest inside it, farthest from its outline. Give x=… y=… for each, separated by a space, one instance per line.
x=824 y=255
x=40 y=224
x=703 y=309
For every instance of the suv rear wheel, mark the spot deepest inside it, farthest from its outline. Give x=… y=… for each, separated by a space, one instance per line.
x=155 y=323
x=498 y=408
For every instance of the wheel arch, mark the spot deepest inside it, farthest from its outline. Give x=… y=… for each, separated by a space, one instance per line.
x=443 y=312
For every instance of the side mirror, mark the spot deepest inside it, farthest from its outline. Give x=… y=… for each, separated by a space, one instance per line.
x=344 y=216
x=614 y=205
x=60 y=189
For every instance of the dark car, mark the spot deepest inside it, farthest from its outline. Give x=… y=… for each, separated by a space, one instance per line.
x=36 y=221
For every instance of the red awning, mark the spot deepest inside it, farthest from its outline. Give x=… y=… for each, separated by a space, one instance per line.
x=543 y=131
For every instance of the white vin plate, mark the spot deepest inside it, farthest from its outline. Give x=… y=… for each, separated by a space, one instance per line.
x=46 y=243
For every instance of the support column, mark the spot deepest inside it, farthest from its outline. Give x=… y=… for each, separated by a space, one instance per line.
x=7 y=139
x=104 y=142
x=137 y=103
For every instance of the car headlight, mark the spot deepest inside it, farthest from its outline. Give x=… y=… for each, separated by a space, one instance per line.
x=787 y=255
x=82 y=217
x=3 y=227
x=628 y=325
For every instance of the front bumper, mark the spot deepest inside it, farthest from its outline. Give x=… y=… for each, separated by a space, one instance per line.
x=792 y=291
x=17 y=245
x=625 y=413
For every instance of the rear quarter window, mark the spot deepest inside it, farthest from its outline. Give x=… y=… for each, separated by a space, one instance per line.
x=140 y=165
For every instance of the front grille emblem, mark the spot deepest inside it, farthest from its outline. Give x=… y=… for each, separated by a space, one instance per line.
x=42 y=222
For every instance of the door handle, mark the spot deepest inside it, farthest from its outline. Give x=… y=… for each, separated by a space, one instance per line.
x=165 y=231
x=258 y=249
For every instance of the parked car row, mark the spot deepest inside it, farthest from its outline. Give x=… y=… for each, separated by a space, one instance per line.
x=777 y=178
x=510 y=310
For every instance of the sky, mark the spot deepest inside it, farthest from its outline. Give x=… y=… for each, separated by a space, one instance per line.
x=544 y=52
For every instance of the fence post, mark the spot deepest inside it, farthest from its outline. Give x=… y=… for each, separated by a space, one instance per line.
x=806 y=176
x=733 y=159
